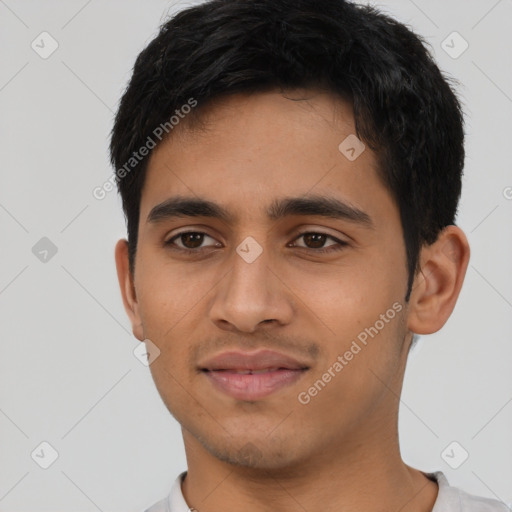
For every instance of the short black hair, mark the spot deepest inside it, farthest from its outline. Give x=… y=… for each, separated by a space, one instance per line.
x=405 y=108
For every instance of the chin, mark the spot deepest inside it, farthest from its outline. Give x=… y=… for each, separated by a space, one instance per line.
x=260 y=455
x=251 y=458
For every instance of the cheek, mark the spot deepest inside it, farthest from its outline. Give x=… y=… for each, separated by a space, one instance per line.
x=357 y=376
x=358 y=315
x=346 y=297
x=167 y=293
x=167 y=304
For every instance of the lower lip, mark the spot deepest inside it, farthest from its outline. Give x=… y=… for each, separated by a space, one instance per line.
x=253 y=386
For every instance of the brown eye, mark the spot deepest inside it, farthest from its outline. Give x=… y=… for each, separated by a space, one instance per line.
x=190 y=241
x=315 y=240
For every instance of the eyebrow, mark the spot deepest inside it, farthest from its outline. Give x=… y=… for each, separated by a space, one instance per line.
x=312 y=205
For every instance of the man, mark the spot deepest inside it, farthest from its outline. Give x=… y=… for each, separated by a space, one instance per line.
x=290 y=173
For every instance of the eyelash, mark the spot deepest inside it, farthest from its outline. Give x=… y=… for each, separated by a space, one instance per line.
x=340 y=244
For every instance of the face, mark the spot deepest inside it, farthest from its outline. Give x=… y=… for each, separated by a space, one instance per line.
x=307 y=260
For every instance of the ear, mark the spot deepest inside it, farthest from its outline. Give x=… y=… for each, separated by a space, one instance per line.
x=437 y=285
x=127 y=286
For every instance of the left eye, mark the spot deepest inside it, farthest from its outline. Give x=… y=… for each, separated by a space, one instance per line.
x=313 y=240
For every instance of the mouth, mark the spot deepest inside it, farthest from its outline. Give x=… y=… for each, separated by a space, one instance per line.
x=253 y=376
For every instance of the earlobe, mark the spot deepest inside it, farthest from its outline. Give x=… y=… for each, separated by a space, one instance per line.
x=437 y=286
x=127 y=288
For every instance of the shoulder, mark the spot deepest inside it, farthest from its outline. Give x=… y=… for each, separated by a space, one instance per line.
x=473 y=503
x=159 y=506
x=174 y=501
x=453 y=499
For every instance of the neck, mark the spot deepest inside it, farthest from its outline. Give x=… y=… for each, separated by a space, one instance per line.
x=366 y=476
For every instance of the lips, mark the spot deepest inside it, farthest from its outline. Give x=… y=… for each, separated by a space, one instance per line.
x=252 y=375
x=252 y=361
x=249 y=372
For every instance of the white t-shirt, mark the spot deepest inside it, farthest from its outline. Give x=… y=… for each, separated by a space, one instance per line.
x=449 y=499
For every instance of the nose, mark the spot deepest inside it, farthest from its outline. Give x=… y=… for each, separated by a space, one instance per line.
x=249 y=295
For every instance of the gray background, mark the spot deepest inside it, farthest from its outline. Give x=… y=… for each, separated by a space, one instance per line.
x=67 y=372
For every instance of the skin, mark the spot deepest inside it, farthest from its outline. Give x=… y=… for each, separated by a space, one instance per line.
x=277 y=453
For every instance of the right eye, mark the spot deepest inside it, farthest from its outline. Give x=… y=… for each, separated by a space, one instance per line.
x=190 y=241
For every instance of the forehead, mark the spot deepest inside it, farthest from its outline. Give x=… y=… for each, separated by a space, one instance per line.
x=249 y=149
